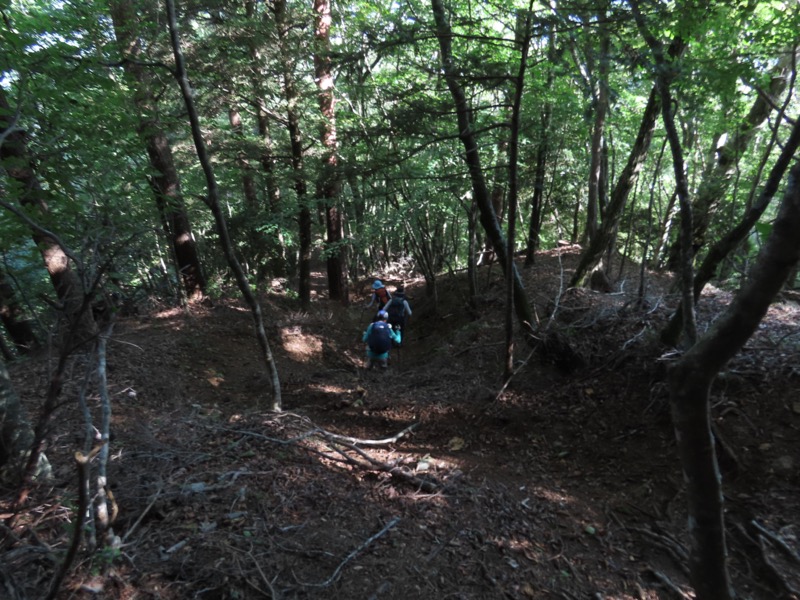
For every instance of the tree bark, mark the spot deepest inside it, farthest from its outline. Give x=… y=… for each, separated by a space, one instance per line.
x=67 y=283
x=329 y=185
x=691 y=378
x=598 y=243
x=731 y=240
x=594 y=205
x=542 y=151
x=166 y=183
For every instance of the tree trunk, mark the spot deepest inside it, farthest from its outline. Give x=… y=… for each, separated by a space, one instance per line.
x=691 y=378
x=329 y=186
x=212 y=200
x=716 y=180
x=731 y=240
x=25 y=185
x=598 y=244
x=472 y=159
x=542 y=150
x=598 y=147
x=296 y=142
x=513 y=183
x=165 y=184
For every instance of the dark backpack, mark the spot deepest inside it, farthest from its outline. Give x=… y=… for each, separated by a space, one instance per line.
x=380 y=338
x=396 y=308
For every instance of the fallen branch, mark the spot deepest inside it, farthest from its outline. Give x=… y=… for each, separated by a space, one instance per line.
x=777 y=540
x=352 y=555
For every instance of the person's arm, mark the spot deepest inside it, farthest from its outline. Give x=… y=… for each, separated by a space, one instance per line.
x=407 y=307
x=365 y=337
x=396 y=335
x=372 y=299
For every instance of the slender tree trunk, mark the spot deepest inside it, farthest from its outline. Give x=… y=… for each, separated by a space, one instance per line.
x=212 y=200
x=165 y=183
x=296 y=142
x=329 y=186
x=731 y=240
x=596 y=156
x=593 y=254
x=252 y=204
x=717 y=180
x=690 y=380
x=513 y=184
x=472 y=158
x=542 y=150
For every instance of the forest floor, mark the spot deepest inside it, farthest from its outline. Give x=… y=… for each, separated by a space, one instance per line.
x=428 y=481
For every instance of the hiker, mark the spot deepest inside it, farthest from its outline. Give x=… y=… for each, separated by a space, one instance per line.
x=379 y=337
x=398 y=310
x=380 y=295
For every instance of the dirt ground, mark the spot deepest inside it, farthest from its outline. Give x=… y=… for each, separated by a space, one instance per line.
x=427 y=481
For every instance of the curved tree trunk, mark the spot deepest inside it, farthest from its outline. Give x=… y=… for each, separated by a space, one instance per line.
x=690 y=381
x=599 y=242
x=731 y=240
x=716 y=181
x=472 y=158
x=212 y=200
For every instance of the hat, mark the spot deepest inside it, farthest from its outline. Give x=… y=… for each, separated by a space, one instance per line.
x=377 y=285
x=382 y=314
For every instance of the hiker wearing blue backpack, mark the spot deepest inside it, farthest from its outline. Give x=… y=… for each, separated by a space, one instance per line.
x=379 y=337
x=398 y=311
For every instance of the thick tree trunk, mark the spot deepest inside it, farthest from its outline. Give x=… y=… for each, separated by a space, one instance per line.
x=165 y=184
x=690 y=380
x=67 y=283
x=329 y=186
x=472 y=158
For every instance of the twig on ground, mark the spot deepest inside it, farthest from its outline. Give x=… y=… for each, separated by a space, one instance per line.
x=142 y=516
x=667 y=583
x=777 y=540
x=352 y=555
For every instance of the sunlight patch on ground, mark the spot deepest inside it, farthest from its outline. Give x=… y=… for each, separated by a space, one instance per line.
x=170 y=313
x=301 y=347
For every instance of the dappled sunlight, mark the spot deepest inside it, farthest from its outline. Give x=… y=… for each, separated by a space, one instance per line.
x=300 y=346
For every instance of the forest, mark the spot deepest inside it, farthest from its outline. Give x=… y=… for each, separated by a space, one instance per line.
x=593 y=207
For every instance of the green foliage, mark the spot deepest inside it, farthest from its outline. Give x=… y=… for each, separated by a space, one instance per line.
x=403 y=184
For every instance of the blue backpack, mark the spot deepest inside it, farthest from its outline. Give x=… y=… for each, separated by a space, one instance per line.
x=380 y=337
